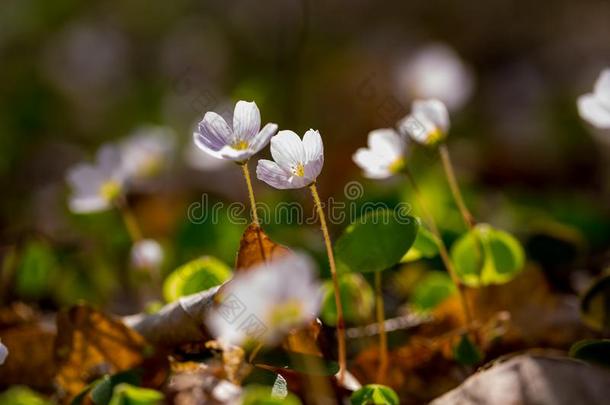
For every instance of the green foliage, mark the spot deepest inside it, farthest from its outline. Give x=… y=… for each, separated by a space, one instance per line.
x=595 y=304
x=425 y=245
x=595 y=351
x=487 y=256
x=197 y=275
x=18 y=395
x=356 y=294
x=102 y=391
x=37 y=270
x=433 y=289
x=126 y=394
x=375 y=242
x=261 y=395
x=375 y=394
x=466 y=352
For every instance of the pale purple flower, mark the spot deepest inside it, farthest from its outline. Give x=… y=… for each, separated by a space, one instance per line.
x=595 y=107
x=437 y=71
x=146 y=254
x=428 y=122
x=96 y=186
x=266 y=302
x=384 y=156
x=297 y=163
x=3 y=353
x=147 y=151
x=239 y=142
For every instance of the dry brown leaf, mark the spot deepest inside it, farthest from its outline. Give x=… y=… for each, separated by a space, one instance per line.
x=256 y=247
x=90 y=344
x=30 y=360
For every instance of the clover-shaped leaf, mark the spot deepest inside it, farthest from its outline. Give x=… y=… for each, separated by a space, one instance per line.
x=375 y=241
x=375 y=394
x=425 y=246
x=353 y=289
x=197 y=275
x=487 y=256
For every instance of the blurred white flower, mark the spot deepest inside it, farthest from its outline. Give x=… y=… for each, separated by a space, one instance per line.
x=384 y=155
x=436 y=71
x=3 y=353
x=147 y=151
x=428 y=122
x=595 y=107
x=238 y=143
x=264 y=303
x=146 y=254
x=297 y=162
x=95 y=187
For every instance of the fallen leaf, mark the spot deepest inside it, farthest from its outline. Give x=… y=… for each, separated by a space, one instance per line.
x=256 y=247
x=90 y=344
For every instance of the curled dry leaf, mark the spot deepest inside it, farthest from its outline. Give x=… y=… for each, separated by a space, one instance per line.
x=256 y=247
x=90 y=344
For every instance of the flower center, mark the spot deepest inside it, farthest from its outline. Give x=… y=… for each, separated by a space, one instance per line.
x=240 y=145
x=110 y=190
x=299 y=170
x=397 y=165
x=434 y=136
x=287 y=313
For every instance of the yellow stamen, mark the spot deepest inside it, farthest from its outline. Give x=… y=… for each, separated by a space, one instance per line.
x=286 y=313
x=240 y=145
x=110 y=190
x=434 y=136
x=397 y=165
x=299 y=170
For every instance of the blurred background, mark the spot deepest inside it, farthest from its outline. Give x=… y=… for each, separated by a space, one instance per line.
x=76 y=75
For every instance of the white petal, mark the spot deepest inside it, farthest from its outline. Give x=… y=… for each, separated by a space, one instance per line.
x=246 y=120
x=272 y=174
x=88 y=204
x=84 y=179
x=386 y=143
x=261 y=139
x=214 y=132
x=312 y=143
x=203 y=144
x=592 y=110
x=373 y=165
x=602 y=88
x=236 y=155
x=287 y=149
x=3 y=353
x=312 y=170
x=433 y=110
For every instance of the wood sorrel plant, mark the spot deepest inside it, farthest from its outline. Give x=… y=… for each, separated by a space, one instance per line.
x=237 y=143
x=297 y=164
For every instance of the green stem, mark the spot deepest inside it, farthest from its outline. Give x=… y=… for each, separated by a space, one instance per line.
x=383 y=338
x=455 y=188
x=246 y=171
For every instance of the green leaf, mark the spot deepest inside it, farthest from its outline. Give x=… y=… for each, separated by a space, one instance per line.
x=433 y=289
x=37 y=270
x=466 y=352
x=195 y=276
x=595 y=304
x=595 y=351
x=353 y=289
x=375 y=242
x=375 y=394
x=126 y=394
x=261 y=395
x=19 y=395
x=425 y=245
x=487 y=256
x=102 y=390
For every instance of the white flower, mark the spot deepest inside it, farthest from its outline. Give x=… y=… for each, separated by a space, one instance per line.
x=297 y=162
x=595 y=107
x=146 y=254
x=384 y=156
x=436 y=71
x=96 y=187
x=146 y=152
x=3 y=353
x=239 y=143
x=428 y=122
x=267 y=301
